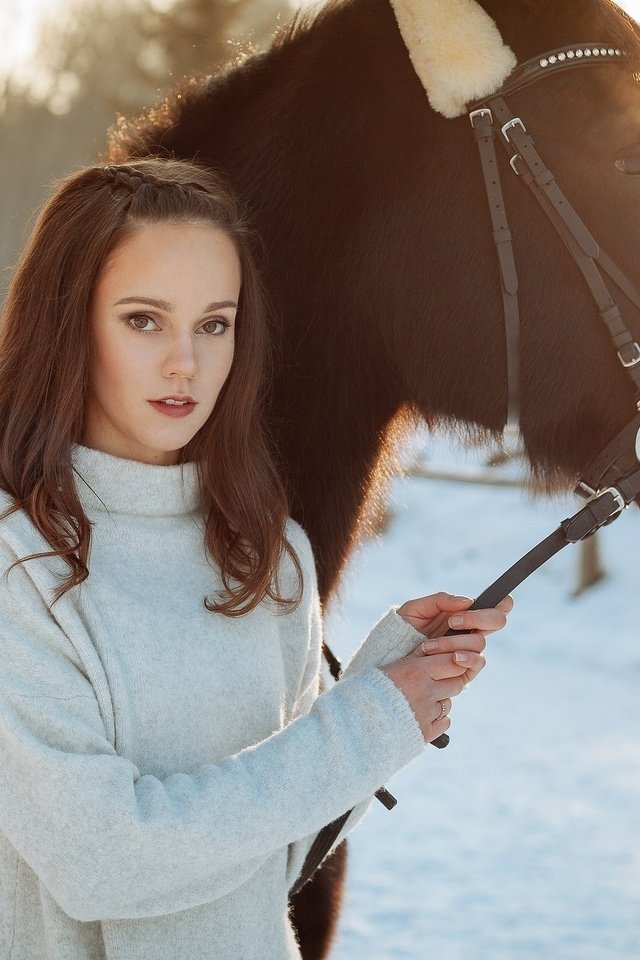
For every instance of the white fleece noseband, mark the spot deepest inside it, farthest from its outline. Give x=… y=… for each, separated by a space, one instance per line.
x=456 y=50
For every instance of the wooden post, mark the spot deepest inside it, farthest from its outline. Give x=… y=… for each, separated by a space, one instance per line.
x=590 y=568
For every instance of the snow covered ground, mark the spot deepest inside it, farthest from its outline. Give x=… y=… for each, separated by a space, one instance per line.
x=521 y=840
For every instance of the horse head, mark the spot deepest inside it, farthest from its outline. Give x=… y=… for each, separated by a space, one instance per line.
x=349 y=138
x=575 y=393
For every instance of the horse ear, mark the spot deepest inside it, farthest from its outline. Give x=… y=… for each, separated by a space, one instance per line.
x=456 y=50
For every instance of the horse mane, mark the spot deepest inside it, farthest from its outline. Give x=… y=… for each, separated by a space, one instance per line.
x=137 y=136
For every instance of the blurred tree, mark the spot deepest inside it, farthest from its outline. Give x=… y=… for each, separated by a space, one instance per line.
x=126 y=53
x=94 y=60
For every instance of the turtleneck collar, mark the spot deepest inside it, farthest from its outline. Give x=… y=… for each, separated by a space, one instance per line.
x=117 y=485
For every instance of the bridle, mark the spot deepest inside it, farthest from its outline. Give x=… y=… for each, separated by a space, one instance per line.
x=612 y=480
x=610 y=470
x=492 y=119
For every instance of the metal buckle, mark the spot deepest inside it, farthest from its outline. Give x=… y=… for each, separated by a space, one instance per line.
x=512 y=163
x=636 y=359
x=583 y=490
x=483 y=111
x=617 y=496
x=512 y=123
x=512 y=439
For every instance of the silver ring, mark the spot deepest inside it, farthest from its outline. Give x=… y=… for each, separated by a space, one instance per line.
x=443 y=711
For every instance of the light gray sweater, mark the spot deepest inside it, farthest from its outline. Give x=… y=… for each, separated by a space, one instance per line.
x=164 y=769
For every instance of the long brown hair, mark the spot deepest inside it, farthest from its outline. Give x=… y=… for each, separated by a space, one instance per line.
x=44 y=377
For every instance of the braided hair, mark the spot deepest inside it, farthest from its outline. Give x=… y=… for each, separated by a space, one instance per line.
x=126 y=179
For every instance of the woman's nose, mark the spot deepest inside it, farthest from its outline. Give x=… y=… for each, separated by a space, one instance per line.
x=181 y=358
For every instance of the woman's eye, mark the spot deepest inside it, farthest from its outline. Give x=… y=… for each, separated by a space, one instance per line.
x=138 y=316
x=220 y=323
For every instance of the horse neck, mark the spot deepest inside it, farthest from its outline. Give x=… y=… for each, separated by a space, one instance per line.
x=332 y=417
x=362 y=226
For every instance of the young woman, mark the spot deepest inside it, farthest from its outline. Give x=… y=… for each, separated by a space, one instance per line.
x=166 y=757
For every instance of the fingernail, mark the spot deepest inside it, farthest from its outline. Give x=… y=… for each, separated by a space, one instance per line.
x=460 y=656
x=456 y=621
x=429 y=645
x=466 y=599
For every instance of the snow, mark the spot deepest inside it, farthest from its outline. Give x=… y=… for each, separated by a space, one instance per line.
x=521 y=839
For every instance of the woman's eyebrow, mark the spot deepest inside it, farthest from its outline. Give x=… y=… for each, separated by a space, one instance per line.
x=168 y=307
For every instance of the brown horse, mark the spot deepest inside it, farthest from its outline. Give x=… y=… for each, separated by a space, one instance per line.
x=379 y=256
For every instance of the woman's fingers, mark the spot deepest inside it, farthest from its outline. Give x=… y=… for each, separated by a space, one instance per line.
x=487 y=621
x=442 y=709
x=455 y=663
x=506 y=605
x=472 y=672
x=456 y=641
x=437 y=728
x=434 y=614
x=428 y=682
x=441 y=666
x=449 y=687
x=453 y=656
x=427 y=608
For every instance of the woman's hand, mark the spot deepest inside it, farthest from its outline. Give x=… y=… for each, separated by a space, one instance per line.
x=431 y=615
x=440 y=667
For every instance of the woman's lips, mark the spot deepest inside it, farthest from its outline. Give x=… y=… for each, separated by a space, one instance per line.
x=170 y=410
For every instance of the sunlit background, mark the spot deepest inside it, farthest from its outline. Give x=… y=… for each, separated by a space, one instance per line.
x=20 y=23
x=69 y=68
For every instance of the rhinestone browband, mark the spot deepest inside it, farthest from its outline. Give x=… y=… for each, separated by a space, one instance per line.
x=576 y=52
x=553 y=62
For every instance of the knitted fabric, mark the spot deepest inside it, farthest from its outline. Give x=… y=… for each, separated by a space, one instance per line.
x=165 y=769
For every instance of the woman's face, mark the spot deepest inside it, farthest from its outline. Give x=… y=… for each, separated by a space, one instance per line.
x=143 y=350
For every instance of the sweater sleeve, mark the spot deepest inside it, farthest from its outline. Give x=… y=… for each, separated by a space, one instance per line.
x=390 y=639
x=109 y=842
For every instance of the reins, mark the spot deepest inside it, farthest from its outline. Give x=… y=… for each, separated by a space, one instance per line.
x=612 y=480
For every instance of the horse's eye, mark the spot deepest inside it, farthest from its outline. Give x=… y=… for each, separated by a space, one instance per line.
x=627 y=160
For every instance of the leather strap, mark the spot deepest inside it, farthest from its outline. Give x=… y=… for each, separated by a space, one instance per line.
x=565 y=58
x=527 y=162
x=617 y=459
x=484 y=133
x=335 y=664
